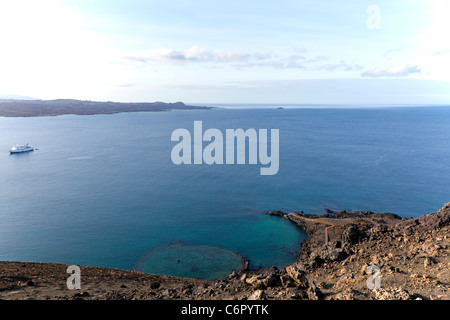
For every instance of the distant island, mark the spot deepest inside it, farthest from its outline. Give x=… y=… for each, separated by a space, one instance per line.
x=39 y=108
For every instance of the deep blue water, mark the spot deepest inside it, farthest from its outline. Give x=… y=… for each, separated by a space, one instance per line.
x=102 y=190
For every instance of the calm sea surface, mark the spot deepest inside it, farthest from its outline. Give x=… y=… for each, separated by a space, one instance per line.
x=102 y=190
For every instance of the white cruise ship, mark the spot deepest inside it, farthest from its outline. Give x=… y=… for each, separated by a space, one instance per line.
x=20 y=149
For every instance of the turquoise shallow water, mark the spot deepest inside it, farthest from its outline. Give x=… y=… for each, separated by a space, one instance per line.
x=200 y=261
x=102 y=190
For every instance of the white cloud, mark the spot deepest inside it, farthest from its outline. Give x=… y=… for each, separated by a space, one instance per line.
x=194 y=54
x=397 y=71
x=439 y=52
x=243 y=60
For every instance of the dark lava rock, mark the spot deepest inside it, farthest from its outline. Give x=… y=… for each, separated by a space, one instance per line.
x=81 y=294
x=327 y=253
x=276 y=213
x=432 y=221
x=297 y=294
x=30 y=283
x=313 y=292
x=155 y=285
x=351 y=236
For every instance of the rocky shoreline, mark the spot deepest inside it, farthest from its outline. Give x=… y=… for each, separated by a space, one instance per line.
x=411 y=255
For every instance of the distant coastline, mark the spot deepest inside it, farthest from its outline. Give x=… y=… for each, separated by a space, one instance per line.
x=42 y=108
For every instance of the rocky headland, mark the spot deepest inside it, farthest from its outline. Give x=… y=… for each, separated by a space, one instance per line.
x=45 y=108
x=411 y=256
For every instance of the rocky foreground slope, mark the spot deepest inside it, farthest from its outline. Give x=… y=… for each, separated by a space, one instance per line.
x=410 y=255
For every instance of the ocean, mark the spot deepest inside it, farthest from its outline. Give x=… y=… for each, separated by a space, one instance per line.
x=102 y=190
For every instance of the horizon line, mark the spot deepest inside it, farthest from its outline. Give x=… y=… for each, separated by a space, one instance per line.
x=265 y=104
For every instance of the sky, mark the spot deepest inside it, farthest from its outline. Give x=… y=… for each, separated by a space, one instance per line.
x=254 y=51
